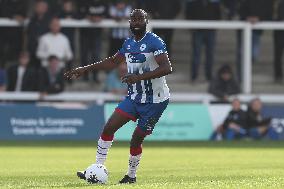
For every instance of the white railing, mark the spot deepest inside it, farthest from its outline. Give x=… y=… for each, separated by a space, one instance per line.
x=184 y=24
x=101 y=98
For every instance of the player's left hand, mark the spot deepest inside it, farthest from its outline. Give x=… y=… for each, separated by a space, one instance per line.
x=130 y=79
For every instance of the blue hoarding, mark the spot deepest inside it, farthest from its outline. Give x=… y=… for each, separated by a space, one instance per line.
x=51 y=122
x=277 y=115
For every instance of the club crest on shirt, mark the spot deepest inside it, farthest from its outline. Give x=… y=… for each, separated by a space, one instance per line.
x=143 y=47
x=136 y=58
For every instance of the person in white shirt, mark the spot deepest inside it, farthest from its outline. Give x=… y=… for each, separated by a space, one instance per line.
x=54 y=43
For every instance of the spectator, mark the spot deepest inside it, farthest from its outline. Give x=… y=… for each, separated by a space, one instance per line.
x=54 y=6
x=254 y=11
x=68 y=12
x=2 y=80
x=224 y=84
x=37 y=26
x=257 y=125
x=203 y=10
x=22 y=77
x=234 y=125
x=94 y=11
x=120 y=11
x=12 y=37
x=51 y=79
x=279 y=44
x=113 y=82
x=166 y=9
x=231 y=8
x=54 y=43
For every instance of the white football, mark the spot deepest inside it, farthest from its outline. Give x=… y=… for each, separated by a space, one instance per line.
x=96 y=174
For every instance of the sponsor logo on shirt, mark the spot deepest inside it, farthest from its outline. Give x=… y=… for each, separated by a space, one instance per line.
x=136 y=58
x=158 y=52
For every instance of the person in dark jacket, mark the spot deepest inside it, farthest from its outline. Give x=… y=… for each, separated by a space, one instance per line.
x=38 y=25
x=166 y=9
x=230 y=8
x=234 y=125
x=51 y=79
x=2 y=79
x=22 y=77
x=11 y=38
x=68 y=11
x=203 y=10
x=224 y=84
x=91 y=38
x=278 y=44
x=254 y=11
x=257 y=125
x=119 y=11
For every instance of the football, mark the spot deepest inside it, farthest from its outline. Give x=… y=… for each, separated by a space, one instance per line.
x=96 y=174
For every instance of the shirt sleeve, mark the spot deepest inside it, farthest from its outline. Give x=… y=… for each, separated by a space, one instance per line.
x=158 y=46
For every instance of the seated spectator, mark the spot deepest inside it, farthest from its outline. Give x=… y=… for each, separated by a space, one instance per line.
x=234 y=124
x=224 y=84
x=113 y=82
x=22 y=77
x=51 y=78
x=54 y=43
x=257 y=125
x=2 y=80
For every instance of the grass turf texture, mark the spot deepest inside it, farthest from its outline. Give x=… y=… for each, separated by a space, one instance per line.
x=243 y=164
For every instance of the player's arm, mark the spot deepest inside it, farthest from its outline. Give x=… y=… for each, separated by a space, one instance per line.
x=106 y=64
x=164 y=68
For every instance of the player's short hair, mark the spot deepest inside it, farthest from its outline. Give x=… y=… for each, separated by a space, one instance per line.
x=141 y=11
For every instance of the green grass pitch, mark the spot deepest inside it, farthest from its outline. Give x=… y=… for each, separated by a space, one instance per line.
x=178 y=165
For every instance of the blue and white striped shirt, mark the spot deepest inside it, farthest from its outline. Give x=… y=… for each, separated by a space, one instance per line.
x=140 y=58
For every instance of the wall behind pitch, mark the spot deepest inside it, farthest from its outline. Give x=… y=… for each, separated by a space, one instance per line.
x=50 y=122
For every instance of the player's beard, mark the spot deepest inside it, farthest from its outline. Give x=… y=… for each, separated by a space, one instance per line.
x=138 y=31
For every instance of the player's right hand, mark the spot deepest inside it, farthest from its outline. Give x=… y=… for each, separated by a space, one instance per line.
x=74 y=73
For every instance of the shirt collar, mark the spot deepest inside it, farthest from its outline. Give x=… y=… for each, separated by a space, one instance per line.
x=141 y=38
